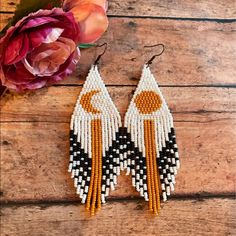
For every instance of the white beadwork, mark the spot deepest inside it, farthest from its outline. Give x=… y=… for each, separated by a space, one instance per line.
x=81 y=126
x=163 y=123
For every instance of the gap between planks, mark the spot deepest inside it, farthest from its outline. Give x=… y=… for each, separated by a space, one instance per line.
x=180 y=9
x=217 y=20
x=200 y=112
x=161 y=86
x=209 y=217
x=184 y=197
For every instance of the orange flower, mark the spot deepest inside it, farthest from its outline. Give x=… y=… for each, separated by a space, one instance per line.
x=91 y=17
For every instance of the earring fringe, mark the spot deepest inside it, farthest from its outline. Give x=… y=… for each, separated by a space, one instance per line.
x=152 y=152
x=94 y=143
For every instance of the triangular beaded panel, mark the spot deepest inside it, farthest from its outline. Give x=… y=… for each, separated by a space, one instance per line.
x=152 y=156
x=94 y=142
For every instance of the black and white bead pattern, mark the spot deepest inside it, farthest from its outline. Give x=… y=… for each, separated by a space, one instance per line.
x=166 y=148
x=80 y=164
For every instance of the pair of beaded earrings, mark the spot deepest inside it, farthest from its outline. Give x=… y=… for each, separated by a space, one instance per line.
x=100 y=146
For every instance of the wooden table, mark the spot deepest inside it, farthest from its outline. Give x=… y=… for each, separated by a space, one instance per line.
x=197 y=74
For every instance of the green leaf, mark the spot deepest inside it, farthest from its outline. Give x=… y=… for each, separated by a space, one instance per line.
x=86 y=45
x=28 y=6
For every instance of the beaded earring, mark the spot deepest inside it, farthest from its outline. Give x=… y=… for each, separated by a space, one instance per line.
x=95 y=140
x=152 y=156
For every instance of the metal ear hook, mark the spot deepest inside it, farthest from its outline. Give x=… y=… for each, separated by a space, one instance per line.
x=99 y=56
x=156 y=55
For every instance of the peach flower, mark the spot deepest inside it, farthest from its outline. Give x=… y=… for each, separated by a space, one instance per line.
x=91 y=17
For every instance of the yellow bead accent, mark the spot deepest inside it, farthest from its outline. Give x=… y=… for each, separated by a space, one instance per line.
x=96 y=175
x=152 y=172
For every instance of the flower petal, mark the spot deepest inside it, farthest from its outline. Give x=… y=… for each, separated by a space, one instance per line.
x=53 y=35
x=41 y=47
x=36 y=84
x=70 y=26
x=17 y=74
x=16 y=49
x=47 y=58
x=67 y=68
x=55 y=16
x=39 y=21
x=69 y=4
x=92 y=20
x=4 y=40
x=44 y=35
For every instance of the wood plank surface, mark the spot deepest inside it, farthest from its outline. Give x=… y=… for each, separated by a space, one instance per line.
x=56 y=104
x=196 y=53
x=192 y=217
x=4 y=18
x=197 y=76
x=157 y=8
x=34 y=159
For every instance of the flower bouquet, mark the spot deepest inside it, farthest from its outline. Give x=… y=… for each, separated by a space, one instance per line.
x=41 y=43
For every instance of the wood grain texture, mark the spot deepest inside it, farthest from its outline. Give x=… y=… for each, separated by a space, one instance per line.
x=56 y=104
x=158 y=8
x=34 y=158
x=207 y=217
x=4 y=18
x=196 y=53
x=174 y=8
x=198 y=73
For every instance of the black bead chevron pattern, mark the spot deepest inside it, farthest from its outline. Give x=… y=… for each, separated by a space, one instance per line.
x=152 y=155
x=80 y=165
x=95 y=143
x=167 y=163
x=100 y=148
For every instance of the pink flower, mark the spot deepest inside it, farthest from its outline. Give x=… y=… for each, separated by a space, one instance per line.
x=91 y=17
x=39 y=50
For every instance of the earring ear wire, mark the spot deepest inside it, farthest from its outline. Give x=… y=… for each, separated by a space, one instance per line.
x=152 y=156
x=95 y=141
x=100 y=55
x=149 y=62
